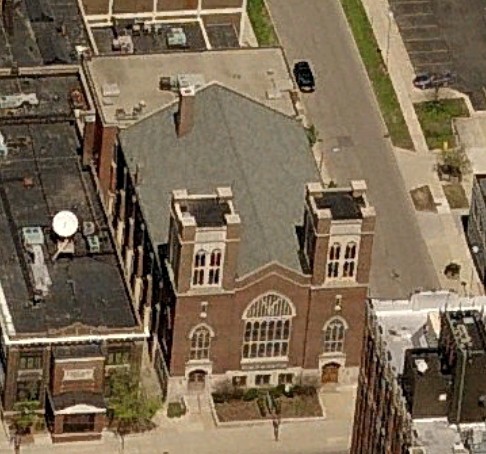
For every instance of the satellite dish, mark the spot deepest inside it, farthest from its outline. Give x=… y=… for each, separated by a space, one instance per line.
x=65 y=224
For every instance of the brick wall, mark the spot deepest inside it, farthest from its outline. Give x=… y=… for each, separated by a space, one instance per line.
x=225 y=311
x=62 y=370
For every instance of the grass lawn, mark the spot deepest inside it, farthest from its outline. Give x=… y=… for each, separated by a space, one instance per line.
x=456 y=196
x=435 y=118
x=373 y=61
x=261 y=23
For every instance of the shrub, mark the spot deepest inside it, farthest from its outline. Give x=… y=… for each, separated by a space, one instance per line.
x=288 y=391
x=262 y=407
x=304 y=390
x=219 y=398
x=452 y=269
x=237 y=394
x=175 y=410
x=251 y=394
x=277 y=392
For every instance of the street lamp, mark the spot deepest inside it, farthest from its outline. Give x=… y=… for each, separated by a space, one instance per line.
x=388 y=37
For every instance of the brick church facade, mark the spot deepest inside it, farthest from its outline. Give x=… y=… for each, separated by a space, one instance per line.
x=243 y=269
x=273 y=325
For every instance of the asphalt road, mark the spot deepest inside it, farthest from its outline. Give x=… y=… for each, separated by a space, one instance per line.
x=345 y=113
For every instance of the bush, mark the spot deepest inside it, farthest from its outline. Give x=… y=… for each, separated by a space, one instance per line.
x=277 y=392
x=251 y=394
x=175 y=410
x=288 y=391
x=237 y=394
x=262 y=407
x=304 y=390
x=219 y=398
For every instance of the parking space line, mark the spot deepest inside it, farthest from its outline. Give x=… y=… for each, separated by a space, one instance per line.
x=411 y=2
x=421 y=40
x=399 y=16
x=417 y=27
x=423 y=52
x=428 y=65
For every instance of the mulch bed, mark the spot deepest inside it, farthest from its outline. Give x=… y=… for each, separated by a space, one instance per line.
x=295 y=407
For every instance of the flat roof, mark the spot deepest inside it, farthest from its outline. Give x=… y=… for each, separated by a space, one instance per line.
x=207 y=212
x=402 y=321
x=40 y=176
x=148 y=43
x=45 y=33
x=437 y=436
x=260 y=74
x=472 y=334
x=341 y=204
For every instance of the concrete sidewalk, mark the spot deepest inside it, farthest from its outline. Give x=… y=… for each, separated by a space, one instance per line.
x=442 y=231
x=196 y=434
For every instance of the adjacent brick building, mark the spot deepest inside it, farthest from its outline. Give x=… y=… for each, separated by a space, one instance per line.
x=229 y=14
x=66 y=314
x=261 y=275
x=421 y=384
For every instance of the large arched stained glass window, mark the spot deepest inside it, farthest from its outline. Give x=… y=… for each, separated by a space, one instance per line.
x=268 y=322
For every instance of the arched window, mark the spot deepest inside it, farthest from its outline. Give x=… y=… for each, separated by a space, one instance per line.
x=207 y=268
x=199 y=268
x=334 y=332
x=349 y=266
x=268 y=323
x=214 y=267
x=333 y=261
x=200 y=342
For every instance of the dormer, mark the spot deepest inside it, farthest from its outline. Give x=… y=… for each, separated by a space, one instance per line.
x=338 y=234
x=203 y=241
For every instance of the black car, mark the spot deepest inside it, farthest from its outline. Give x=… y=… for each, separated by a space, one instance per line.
x=423 y=81
x=304 y=77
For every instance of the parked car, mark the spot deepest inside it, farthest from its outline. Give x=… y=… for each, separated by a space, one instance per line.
x=304 y=77
x=425 y=81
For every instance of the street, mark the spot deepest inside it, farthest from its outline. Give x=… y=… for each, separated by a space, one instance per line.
x=346 y=115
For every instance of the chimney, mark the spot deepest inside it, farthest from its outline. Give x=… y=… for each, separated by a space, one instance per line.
x=185 y=115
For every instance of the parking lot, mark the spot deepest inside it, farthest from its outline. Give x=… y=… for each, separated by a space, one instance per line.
x=447 y=35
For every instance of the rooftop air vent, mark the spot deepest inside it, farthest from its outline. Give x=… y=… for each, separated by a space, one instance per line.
x=94 y=246
x=88 y=228
x=110 y=90
x=33 y=235
x=176 y=37
x=421 y=366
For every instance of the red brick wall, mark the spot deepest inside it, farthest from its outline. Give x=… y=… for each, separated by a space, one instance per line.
x=323 y=301
x=59 y=385
x=225 y=318
x=132 y=6
x=105 y=150
x=208 y=4
x=95 y=6
x=176 y=5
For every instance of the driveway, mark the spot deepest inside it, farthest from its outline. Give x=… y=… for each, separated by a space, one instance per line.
x=443 y=35
x=345 y=113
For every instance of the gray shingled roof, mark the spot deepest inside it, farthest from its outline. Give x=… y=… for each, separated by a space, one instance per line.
x=262 y=154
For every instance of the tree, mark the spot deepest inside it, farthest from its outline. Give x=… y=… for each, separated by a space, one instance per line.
x=454 y=162
x=131 y=409
x=312 y=135
x=23 y=420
